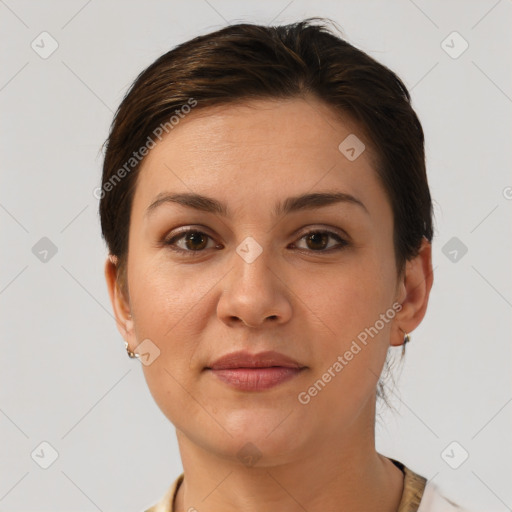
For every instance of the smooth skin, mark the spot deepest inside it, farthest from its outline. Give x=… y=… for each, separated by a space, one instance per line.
x=307 y=298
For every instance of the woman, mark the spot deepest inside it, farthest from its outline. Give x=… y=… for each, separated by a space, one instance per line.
x=269 y=223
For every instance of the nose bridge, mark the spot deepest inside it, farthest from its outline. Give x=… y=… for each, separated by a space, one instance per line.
x=252 y=262
x=254 y=291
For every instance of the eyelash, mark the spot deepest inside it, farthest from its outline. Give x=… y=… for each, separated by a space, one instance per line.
x=171 y=241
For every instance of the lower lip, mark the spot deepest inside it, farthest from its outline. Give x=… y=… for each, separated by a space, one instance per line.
x=256 y=379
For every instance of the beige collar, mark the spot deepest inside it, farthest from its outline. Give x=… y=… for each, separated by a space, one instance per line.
x=414 y=485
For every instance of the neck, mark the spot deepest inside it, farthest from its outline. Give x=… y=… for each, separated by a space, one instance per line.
x=338 y=472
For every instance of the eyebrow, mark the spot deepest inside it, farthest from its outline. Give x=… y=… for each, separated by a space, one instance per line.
x=291 y=204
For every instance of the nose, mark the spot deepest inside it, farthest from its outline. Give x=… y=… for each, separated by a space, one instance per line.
x=255 y=294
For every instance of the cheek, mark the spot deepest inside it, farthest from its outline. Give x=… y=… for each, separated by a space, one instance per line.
x=347 y=299
x=348 y=312
x=171 y=307
x=166 y=297
x=168 y=311
x=169 y=388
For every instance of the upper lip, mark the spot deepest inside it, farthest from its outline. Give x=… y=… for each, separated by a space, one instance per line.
x=244 y=359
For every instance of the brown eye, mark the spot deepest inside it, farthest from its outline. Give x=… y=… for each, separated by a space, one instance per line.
x=195 y=241
x=189 y=241
x=318 y=241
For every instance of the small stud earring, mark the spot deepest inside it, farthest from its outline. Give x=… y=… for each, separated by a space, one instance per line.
x=130 y=353
x=407 y=338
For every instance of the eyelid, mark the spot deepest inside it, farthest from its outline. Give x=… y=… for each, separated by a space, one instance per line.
x=342 y=240
x=322 y=229
x=169 y=241
x=340 y=235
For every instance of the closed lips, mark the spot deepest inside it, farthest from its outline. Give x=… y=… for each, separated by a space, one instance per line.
x=243 y=359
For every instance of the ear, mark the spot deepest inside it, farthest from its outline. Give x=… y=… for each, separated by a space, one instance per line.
x=120 y=303
x=413 y=293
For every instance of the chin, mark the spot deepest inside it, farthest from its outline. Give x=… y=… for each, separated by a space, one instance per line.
x=265 y=440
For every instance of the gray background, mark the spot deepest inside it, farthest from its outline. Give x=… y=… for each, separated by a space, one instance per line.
x=65 y=378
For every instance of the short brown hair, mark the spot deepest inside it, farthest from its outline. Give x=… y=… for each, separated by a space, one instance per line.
x=248 y=61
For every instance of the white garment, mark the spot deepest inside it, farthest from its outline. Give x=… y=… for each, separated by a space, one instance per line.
x=433 y=501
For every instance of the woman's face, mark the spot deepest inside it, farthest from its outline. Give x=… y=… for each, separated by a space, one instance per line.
x=252 y=279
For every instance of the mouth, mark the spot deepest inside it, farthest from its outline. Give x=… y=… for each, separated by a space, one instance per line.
x=255 y=372
x=256 y=379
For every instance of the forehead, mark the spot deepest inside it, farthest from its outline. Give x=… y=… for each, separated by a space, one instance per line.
x=262 y=149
